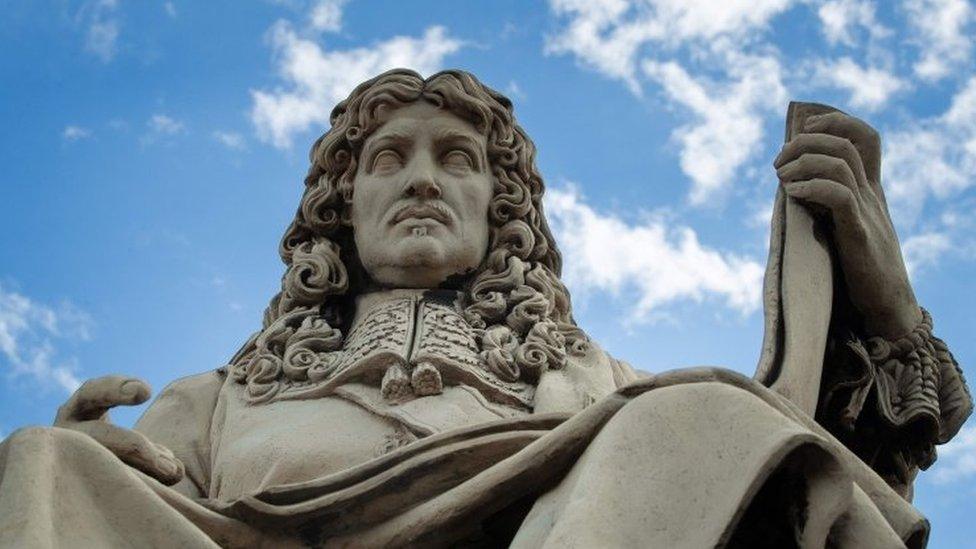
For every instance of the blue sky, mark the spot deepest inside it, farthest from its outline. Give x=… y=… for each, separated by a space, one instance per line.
x=154 y=154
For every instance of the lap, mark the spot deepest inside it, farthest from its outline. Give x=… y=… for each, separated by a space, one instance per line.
x=61 y=488
x=679 y=466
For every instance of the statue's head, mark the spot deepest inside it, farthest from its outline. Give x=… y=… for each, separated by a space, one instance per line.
x=420 y=183
x=420 y=198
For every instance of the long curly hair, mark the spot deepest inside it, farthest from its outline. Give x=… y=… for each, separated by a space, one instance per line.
x=515 y=302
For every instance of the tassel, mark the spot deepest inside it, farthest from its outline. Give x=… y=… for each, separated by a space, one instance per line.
x=396 y=383
x=426 y=380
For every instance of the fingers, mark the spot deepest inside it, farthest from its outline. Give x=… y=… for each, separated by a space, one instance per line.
x=836 y=198
x=819 y=166
x=865 y=139
x=823 y=144
x=135 y=449
x=96 y=396
x=87 y=407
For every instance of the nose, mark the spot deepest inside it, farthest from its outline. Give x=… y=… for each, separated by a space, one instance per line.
x=422 y=183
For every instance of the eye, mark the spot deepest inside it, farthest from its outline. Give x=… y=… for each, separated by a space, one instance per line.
x=458 y=160
x=386 y=161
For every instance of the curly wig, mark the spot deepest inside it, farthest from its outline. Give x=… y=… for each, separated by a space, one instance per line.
x=514 y=301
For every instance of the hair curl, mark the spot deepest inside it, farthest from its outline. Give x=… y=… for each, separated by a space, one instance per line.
x=515 y=301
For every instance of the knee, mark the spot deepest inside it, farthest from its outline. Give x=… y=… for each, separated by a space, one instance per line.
x=36 y=437
x=688 y=404
x=29 y=435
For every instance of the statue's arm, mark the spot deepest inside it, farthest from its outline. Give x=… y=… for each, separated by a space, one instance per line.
x=890 y=389
x=180 y=419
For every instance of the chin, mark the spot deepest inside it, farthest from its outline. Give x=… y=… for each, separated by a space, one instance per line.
x=422 y=262
x=423 y=251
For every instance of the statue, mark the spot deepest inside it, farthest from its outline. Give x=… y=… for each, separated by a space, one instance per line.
x=419 y=379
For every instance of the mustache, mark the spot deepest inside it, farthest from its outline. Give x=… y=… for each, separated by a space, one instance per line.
x=426 y=210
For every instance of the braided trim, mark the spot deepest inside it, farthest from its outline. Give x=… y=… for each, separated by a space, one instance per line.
x=881 y=350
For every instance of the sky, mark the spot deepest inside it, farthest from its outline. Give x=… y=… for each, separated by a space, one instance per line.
x=155 y=152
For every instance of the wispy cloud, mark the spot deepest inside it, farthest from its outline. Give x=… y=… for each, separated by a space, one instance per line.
x=231 y=140
x=841 y=20
x=662 y=263
x=870 y=87
x=727 y=126
x=170 y=9
x=161 y=126
x=28 y=330
x=75 y=133
x=925 y=249
x=715 y=62
x=326 y=15
x=957 y=459
x=160 y=123
x=514 y=91
x=941 y=32
x=609 y=35
x=932 y=158
x=725 y=84
x=101 y=24
x=315 y=79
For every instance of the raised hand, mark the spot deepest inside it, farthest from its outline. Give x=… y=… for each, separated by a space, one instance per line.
x=86 y=411
x=834 y=164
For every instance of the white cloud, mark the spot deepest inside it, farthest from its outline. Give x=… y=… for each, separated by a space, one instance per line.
x=165 y=125
x=841 y=18
x=728 y=83
x=316 y=79
x=940 y=32
x=925 y=249
x=101 y=28
x=920 y=161
x=514 y=91
x=932 y=157
x=957 y=459
x=27 y=329
x=231 y=140
x=934 y=160
x=118 y=124
x=170 y=9
x=870 y=87
x=326 y=15
x=728 y=116
x=961 y=114
x=608 y=35
x=74 y=133
x=160 y=127
x=662 y=264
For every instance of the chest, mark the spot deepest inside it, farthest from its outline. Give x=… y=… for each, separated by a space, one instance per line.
x=294 y=441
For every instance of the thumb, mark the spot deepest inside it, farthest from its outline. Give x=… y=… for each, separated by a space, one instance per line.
x=93 y=399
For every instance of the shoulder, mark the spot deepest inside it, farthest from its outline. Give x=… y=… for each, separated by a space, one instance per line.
x=180 y=419
x=185 y=396
x=586 y=377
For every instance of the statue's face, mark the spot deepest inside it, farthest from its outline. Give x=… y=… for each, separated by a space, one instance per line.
x=420 y=198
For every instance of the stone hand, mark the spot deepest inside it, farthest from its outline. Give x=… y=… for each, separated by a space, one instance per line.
x=833 y=164
x=86 y=411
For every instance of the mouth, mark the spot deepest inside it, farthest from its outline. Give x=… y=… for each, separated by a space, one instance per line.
x=435 y=212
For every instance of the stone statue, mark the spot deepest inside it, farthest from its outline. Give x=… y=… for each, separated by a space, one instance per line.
x=419 y=379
